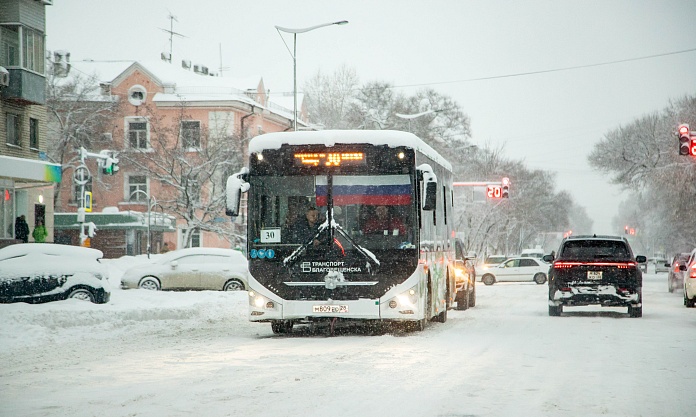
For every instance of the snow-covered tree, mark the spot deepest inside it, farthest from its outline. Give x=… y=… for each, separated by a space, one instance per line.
x=643 y=158
x=77 y=114
x=192 y=167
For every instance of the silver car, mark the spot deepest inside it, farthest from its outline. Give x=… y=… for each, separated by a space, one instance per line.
x=191 y=269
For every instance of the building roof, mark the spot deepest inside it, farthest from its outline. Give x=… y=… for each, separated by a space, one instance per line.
x=181 y=84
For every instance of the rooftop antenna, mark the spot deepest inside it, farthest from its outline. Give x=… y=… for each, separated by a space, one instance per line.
x=171 y=33
x=221 y=67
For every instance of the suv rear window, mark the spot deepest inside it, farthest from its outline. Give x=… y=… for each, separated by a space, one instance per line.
x=595 y=249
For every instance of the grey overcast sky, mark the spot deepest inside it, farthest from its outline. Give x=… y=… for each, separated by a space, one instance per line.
x=469 y=50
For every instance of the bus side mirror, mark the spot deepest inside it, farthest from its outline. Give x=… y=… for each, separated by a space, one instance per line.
x=236 y=185
x=429 y=198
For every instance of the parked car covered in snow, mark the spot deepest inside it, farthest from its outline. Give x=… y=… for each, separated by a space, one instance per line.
x=42 y=272
x=191 y=269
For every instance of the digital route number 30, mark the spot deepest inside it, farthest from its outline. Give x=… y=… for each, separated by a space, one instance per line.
x=494 y=191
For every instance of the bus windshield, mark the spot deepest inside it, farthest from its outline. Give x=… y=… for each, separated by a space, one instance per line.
x=375 y=211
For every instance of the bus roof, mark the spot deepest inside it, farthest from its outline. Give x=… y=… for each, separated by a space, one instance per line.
x=391 y=138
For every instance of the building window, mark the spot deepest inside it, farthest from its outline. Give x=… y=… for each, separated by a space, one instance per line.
x=77 y=191
x=137 y=134
x=33 y=50
x=14 y=128
x=191 y=134
x=137 y=183
x=34 y=133
x=9 y=46
x=195 y=238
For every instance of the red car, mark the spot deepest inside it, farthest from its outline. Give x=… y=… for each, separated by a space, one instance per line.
x=675 y=277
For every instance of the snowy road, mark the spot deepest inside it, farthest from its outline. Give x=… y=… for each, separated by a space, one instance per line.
x=188 y=353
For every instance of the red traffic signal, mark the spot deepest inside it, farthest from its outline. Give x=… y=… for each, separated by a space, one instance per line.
x=685 y=145
x=505 y=192
x=693 y=146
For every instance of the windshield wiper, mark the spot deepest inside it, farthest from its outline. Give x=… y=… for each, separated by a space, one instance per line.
x=372 y=261
x=332 y=226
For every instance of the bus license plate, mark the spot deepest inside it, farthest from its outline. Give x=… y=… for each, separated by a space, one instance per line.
x=594 y=275
x=330 y=309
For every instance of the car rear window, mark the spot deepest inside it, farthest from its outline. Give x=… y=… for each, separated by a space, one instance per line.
x=595 y=249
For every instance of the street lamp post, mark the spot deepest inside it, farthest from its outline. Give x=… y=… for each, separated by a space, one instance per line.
x=410 y=117
x=294 y=57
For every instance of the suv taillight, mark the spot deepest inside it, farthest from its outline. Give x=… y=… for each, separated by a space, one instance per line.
x=620 y=265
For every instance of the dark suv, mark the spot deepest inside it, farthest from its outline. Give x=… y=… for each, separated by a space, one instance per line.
x=595 y=270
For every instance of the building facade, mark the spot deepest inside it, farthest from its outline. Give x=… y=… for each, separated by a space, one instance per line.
x=27 y=178
x=187 y=107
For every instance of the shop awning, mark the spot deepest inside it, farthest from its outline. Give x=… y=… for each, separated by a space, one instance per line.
x=29 y=169
x=123 y=220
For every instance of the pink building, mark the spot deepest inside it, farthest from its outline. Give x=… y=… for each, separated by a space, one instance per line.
x=187 y=103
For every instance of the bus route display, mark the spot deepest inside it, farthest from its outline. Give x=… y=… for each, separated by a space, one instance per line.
x=329 y=159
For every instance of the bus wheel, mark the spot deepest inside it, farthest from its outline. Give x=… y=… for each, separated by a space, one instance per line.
x=463 y=300
x=281 y=327
x=442 y=317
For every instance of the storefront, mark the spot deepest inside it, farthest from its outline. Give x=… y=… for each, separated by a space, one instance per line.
x=118 y=233
x=26 y=189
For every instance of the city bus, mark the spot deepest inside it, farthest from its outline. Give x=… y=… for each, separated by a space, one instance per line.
x=346 y=269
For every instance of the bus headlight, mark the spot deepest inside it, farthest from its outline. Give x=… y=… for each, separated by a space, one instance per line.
x=259 y=301
x=406 y=302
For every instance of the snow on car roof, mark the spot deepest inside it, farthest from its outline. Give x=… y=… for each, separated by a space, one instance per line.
x=49 y=249
x=391 y=138
x=204 y=251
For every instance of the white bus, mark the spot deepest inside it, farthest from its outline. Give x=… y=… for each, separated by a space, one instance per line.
x=347 y=268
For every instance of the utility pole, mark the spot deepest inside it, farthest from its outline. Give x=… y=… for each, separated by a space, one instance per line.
x=107 y=162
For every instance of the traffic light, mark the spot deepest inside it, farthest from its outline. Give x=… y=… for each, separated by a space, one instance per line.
x=685 y=145
x=626 y=230
x=109 y=163
x=505 y=193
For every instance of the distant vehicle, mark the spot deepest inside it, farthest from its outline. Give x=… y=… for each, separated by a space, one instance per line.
x=675 y=277
x=517 y=269
x=595 y=270
x=662 y=265
x=532 y=253
x=191 y=269
x=42 y=272
x=464 y=276
x=689 y=270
